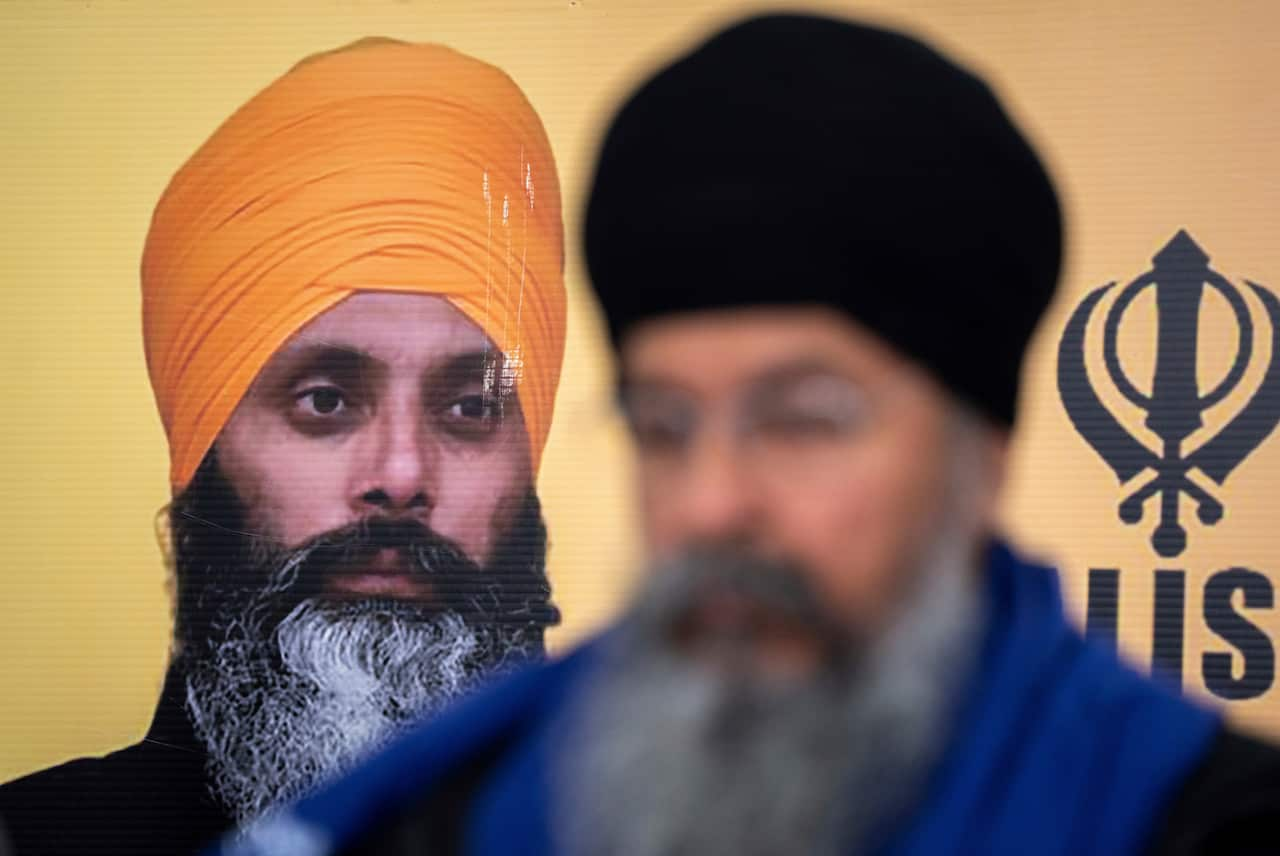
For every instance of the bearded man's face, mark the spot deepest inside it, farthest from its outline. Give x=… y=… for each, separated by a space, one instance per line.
x=816 y=506
x=360 y=546
x=801 y=437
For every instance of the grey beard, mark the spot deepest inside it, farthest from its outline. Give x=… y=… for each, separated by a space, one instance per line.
x=667 y=756
x=281 y=711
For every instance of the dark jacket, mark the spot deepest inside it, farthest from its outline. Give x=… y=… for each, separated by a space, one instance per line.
x=1230 y=805
x=149 y=798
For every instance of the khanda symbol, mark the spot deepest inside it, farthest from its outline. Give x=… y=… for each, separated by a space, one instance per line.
x=1175 y=404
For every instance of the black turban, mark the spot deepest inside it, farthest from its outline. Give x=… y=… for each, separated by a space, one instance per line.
x=802 y=160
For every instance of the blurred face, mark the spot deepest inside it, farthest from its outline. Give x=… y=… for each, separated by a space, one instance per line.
x=797 y=435
x=386 y=406
x=815 y=504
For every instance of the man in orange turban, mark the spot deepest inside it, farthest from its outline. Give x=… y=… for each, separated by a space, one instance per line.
x=354 y=316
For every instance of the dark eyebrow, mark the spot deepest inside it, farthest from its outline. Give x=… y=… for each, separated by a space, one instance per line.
x=796 y=370
x=776 y=375
x=627 y=387
x=340 y=362
x=463 y=369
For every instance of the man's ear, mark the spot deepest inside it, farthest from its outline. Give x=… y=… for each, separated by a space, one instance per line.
x=983 y=449
x=997 y=443
x=994 y=452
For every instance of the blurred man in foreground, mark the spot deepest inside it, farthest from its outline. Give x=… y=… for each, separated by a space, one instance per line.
x=822 y=250
x=353 y=312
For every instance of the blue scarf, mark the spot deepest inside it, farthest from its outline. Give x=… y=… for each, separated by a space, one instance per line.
x=1058 y=748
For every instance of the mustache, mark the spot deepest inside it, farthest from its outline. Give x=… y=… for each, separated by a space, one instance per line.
x=457 y=583
x=775 y=589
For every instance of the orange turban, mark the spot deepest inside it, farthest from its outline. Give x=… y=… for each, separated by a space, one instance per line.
x=381 y=166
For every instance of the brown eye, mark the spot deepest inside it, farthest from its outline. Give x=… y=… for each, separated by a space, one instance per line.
x=660 y=423
x=814 y=408
x=472 y=418
x=322 y=401
x=659 y=435
x=482 y=408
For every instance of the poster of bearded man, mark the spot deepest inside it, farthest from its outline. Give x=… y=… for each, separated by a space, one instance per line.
x=354 y=318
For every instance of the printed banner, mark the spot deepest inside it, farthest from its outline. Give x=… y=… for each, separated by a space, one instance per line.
x=1145 y=461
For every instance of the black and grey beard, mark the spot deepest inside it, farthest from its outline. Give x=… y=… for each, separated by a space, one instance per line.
x=281 y=710
x=288 y=687
x=671 y=755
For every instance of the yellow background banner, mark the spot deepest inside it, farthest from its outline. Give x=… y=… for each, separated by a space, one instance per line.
x=1153 y=117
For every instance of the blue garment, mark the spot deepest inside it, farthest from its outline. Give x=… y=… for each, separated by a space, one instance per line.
x=1057 y=748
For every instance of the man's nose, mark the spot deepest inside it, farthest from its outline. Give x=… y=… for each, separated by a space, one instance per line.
x=400 y=466
x=718 y=503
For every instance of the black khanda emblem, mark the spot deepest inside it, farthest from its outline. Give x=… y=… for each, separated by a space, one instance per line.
x=1175 y=405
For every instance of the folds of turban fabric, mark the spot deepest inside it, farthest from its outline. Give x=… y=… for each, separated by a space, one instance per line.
x=381 y=166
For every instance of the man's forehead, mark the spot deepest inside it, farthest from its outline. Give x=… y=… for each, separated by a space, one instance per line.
x=391 y=328
x=703 y=351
